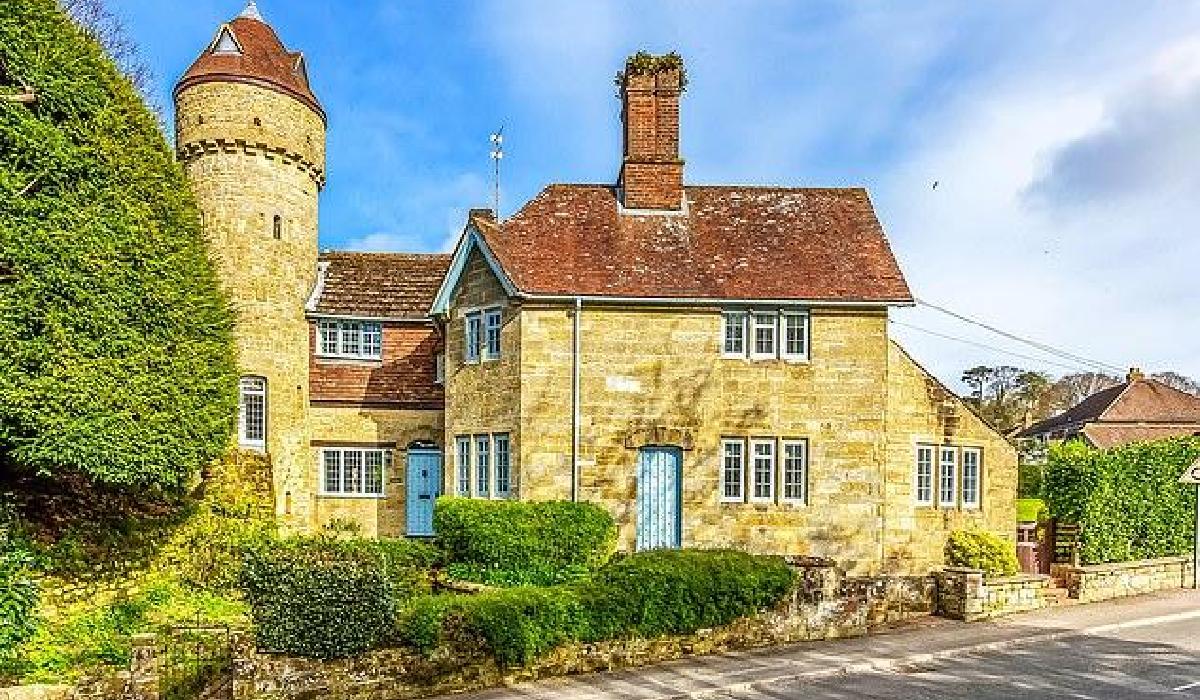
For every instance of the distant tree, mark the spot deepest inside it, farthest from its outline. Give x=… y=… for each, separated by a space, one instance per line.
x=977 y=378
x=116 y=352
x=1070 y=389
x=104 y=27
x=1178 y=381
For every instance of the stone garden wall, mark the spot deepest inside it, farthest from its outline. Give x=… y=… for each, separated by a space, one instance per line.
x=964 y=594
x=824 y=605
x=1104 y=581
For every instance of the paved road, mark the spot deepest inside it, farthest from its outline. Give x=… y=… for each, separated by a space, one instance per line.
x=1134 y=648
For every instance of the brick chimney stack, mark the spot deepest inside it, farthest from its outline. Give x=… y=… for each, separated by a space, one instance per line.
x=1135 y=373
x=651 y=170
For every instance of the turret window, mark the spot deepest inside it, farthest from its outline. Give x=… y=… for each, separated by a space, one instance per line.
x=356 y=340
x=277 y=227
x=252 y=413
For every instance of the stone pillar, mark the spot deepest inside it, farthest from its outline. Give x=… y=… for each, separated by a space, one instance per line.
x=960 y=593
x=242 y=648
x=143 y=669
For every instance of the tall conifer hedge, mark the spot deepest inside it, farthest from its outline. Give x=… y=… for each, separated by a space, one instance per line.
x=116 y=355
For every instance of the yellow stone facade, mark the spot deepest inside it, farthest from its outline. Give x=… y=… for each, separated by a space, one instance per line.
x=253 y=154
x=655 y=374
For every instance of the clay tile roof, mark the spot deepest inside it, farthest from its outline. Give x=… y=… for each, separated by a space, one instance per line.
x=379 y=285
x=262 y=60
x=1127 y=409
x=732 y=243
x=1104 y=436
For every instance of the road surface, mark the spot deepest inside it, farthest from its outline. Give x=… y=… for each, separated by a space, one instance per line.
x=1146 y=647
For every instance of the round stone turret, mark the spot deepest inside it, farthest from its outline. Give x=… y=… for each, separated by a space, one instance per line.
x=250 y=134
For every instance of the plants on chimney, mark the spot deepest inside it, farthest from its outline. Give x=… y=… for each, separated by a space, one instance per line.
x=645 y=63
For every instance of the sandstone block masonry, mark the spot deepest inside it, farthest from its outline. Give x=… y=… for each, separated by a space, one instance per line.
x=655 y=375
x=255 y=158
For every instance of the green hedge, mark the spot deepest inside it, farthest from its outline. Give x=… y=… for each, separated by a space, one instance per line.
x=116 y=343
x=327 y=598
x=523 y=543
x=1127 y=500
x=648 y=594
x=982 y=550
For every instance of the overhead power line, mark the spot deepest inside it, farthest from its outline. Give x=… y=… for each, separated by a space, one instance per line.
x=985 y=346
x=1050 y=349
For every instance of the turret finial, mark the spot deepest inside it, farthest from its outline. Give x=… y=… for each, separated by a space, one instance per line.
x=251 y=12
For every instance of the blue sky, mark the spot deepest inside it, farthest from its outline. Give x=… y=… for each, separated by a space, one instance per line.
x=1063 y=136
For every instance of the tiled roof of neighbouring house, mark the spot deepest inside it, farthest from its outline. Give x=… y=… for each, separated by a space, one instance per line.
x=1125 y=406
x=261 y=59
x=379 y=285
x=753 y=243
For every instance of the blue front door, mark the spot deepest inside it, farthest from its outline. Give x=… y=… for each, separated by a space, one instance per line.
x=423 y=482
x=659 y=482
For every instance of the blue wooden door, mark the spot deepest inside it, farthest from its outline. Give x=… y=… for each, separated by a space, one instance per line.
x=658 y=498
x=423 y=481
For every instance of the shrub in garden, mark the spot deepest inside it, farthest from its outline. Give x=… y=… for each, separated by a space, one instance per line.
x=1127 y=500
x=647 y=594
x=18 y=594
x=116 y=350
x=978 y=549
x=680 y=591
x=516 y=542
x=318 y=599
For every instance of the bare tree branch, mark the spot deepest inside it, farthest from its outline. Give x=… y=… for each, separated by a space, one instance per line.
x=106 y=28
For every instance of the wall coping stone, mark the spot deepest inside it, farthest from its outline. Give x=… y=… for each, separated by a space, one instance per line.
x=1125 y=565
x=1018 y=579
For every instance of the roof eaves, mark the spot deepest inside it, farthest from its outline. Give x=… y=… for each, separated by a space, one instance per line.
x=472 y=238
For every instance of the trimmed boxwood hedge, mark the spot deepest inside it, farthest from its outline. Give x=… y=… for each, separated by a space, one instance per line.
x=1127 y=500
x=523 y=543
x=327 y=598
x=647 y=594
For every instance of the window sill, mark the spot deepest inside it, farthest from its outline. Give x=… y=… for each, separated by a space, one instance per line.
x=354 y=496
x=342 y=359
x=768 y=358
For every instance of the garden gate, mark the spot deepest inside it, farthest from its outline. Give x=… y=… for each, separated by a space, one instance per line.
x=196 y=662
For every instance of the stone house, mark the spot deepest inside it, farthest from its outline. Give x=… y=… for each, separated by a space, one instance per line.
x=710 y=363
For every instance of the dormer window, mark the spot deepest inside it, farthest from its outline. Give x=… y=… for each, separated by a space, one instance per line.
x=225 y=43
x=350 y=339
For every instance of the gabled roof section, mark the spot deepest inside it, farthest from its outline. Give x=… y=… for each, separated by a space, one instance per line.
x=728 y=243
x=396 y=286
x=260 y=59
x=472 y=239
x=1134 y=402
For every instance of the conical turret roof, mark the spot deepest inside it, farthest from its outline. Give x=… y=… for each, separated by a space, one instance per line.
x=247 y=50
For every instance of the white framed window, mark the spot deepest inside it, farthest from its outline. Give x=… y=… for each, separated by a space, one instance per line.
x=462 y=465
x=356 y=340
x=971 y=459
x=923 y=488
x=354 y=471
x=763 y=339
x=762 y=486
x=733 y=334
x=491 y=327
x=252 y=413
x=439 y=368
x=733 y=470
x=483 y=466
x=503 y=465
x=472 y=333
x=795 y=471
x=948 y=477
x=795 y=336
